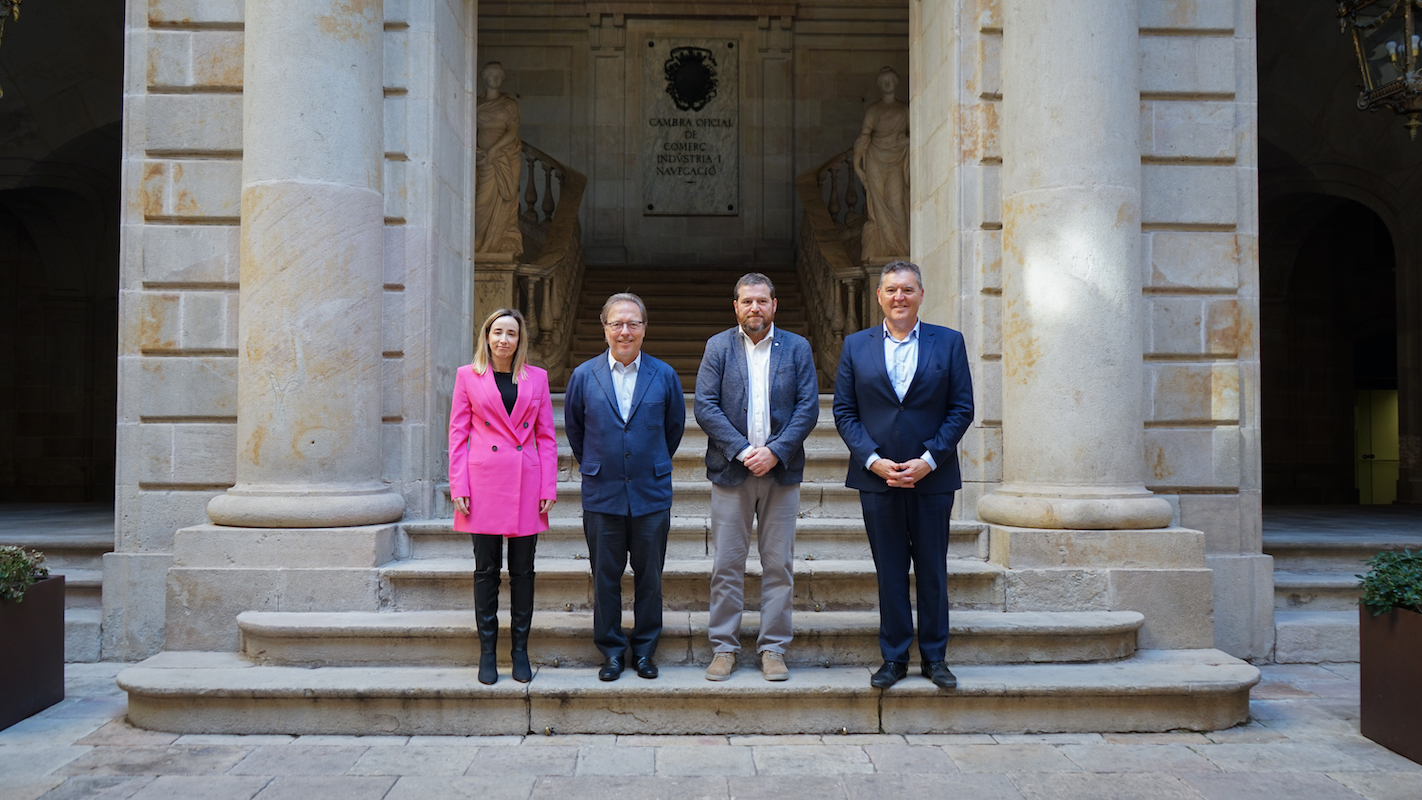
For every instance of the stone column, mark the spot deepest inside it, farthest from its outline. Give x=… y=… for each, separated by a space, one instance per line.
x=309 y=363
x=1072 y=343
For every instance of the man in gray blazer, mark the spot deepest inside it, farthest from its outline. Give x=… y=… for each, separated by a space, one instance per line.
x=757 y=398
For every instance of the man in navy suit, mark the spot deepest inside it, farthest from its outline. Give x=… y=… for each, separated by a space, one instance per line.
x=624 y=415
x=757 y=398
x=903 y=399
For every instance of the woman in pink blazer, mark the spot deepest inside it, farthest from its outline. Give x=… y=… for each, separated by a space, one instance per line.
x=503 y=477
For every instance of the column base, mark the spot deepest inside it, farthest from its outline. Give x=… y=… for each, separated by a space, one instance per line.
x=219 y=572
x=317 y=506
x=1162 y=574
x=1075 y=508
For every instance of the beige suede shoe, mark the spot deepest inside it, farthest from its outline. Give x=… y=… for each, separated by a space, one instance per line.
x=722 y=665
x=772 y=665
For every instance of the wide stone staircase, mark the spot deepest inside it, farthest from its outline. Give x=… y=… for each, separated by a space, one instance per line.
x=406 y=667
x=681 y=317
x=1318 y=555
x=73 y=539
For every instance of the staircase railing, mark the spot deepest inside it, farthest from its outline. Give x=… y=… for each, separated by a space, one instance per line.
x=832 y=278
x=549 y=275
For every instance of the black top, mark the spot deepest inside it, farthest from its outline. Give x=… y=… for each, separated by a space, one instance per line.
x=507 y=389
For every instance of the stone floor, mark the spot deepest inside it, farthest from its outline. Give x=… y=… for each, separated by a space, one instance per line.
x=1303 y=745
x=56 y=518
x=1393 y=523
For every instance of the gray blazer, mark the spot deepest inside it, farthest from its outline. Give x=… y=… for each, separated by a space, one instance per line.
x=722 y=395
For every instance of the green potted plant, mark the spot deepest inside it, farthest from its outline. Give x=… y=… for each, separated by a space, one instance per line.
x=32 y=628
x=1390 y=651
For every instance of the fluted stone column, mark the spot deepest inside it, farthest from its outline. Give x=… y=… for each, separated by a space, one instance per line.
x=309 y=363
x=1072 y=342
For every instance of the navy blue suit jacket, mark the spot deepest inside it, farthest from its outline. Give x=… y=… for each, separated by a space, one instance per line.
x=626 y=465
x=723 y=396
x=933 y=416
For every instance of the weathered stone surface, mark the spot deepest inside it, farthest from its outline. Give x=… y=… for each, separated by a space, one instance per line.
x=1187 y=64
x=1156 y=690
x=1309 y=637
x=1194 y=194
x=194 y=123
x=1198 y=260
x=1177 y=604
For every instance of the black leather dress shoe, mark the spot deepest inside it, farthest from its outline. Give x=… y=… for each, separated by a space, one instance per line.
x=611 y=669
x=646 y=668
x=891 y=673
x=938 y=672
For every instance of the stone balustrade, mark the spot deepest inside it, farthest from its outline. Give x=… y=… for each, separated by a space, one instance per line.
x=827 y=263
x=545 y=281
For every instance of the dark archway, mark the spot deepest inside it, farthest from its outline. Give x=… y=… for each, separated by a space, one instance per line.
x=1329 y=319
x=59 y=258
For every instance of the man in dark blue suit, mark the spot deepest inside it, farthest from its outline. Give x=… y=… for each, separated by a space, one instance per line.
x=624 y=415
x=903 y=399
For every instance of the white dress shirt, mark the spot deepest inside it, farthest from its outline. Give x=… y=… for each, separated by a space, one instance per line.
x=758 y=392
x=624 y=382
x=901 y=361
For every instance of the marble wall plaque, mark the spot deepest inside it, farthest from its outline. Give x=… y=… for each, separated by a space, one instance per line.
x=691 y=127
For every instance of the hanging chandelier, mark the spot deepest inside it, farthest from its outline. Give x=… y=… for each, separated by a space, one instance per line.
x=1385 y=38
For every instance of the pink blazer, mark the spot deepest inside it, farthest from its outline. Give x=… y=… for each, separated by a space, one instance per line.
x=504 y=463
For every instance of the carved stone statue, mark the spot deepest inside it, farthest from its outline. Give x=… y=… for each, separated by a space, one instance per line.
x=881 y=160
x=497 y=162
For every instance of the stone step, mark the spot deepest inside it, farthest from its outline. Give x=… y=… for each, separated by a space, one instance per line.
x=713 y=283
x=649 y=284
x=65 y=550
x=83 y=588
x=825 y=462
x=442 y=584
x=82 y=636
x=826 y=408
x=1347 y=554
x=223 y=693
x=706 y=308
x=1315 y=591
x=823 y=442
x=816 y=538
x=563 y=638
x=1310 y=637
x=592 y=344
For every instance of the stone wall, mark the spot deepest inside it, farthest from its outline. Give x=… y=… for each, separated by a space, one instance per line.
x=805 y=82
x=178 y=339
x=1199 y=254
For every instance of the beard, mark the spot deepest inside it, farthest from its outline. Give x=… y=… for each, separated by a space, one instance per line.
x=755 y=324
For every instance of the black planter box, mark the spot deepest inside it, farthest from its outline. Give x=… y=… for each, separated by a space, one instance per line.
x=32 y=665
x=1390 y=663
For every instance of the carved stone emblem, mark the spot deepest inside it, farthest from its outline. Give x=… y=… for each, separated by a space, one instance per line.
x=691 y=77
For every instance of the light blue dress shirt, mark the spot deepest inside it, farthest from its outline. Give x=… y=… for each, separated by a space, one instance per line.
x=624 y=382
x=901 y=361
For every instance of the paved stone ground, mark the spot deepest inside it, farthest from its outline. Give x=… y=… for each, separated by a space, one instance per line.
x=1302 y=745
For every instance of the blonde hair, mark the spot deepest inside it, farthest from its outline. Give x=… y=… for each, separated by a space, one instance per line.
x=483 y=357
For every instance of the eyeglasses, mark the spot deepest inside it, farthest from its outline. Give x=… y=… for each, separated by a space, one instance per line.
x=627 y=326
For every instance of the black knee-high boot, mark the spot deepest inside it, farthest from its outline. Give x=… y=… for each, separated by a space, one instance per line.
x=488 y=555
x=521 y=550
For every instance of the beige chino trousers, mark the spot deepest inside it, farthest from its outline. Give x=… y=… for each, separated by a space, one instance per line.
x=773 y=509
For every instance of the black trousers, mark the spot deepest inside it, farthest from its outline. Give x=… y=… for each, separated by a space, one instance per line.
x=907 y=527
x=613 y=541
x=488 y=559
